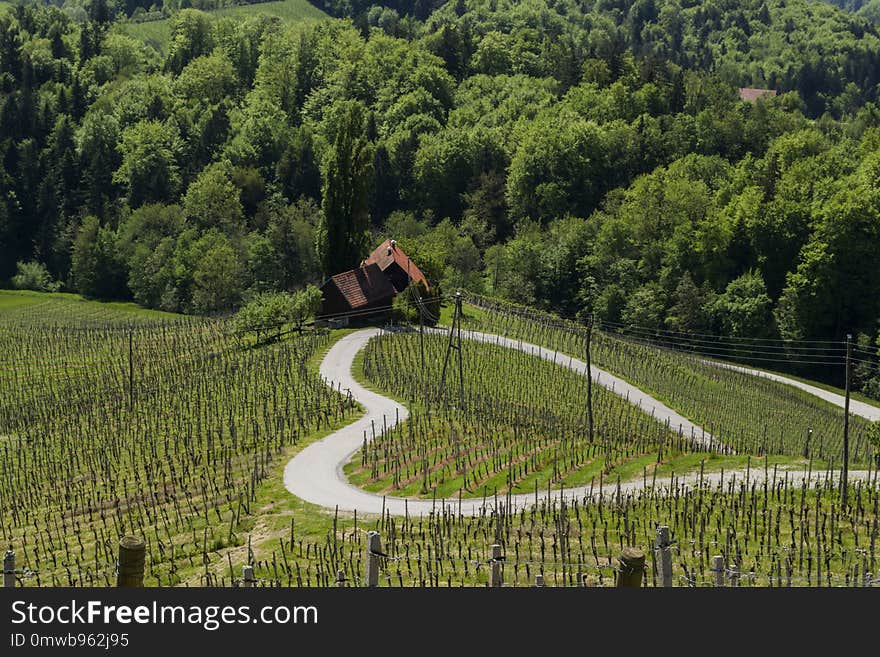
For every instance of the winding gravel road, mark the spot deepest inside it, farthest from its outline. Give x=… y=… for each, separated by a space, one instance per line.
x=316 y=474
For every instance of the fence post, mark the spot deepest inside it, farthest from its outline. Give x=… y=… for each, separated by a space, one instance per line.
x=374 y=550
x=130 y=565
x=539 y=581
x=248 y=580
x=495 y=578
x=340 y=579
x=9 y=570
x=632 y=567
x=664 y=556
x=734 y=574
x=718 y=570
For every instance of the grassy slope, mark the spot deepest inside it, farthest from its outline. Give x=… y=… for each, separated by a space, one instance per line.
x=158 y=33
x=61 y=305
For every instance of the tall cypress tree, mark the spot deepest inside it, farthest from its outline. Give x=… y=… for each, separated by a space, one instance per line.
x=341 y=235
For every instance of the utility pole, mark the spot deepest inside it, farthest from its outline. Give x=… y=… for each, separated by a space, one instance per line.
x=421 y=330
x=590 y=377
x=460 y=368
x=845 y=473
x=417 y=298
x=130 y=370
x=453 y=330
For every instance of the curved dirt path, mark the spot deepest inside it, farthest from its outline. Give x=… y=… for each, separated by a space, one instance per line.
x=316 y=474
x=856 y=407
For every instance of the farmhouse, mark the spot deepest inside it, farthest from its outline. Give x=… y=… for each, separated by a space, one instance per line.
x=371 y=287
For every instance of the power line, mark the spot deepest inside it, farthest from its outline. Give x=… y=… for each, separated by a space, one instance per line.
x=717 y=355
x=720 y=341
x=710 y=335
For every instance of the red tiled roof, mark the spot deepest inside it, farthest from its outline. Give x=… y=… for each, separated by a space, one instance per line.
x=388 y=252
x=751 y=95
x=363 y=286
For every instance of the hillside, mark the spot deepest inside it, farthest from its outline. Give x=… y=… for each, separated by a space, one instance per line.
x=570 y=156
x=188 y=433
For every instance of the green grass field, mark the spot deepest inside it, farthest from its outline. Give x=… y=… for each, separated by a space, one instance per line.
x=43 y=307
x=158 y=33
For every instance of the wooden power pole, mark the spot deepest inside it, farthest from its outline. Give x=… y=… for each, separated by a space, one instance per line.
x=455 y=330
x=590 y=377
x=845 y=474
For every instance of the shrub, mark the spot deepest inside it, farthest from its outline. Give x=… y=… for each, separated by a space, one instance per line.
x=34 y=276
x=267 y=312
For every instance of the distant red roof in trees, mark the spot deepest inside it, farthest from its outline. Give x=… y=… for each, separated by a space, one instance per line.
x=751 y=95
x=396 y=264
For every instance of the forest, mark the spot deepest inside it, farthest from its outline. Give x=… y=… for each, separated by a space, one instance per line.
x=588 y=158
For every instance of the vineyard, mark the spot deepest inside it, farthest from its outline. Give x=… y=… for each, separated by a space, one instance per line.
x=506 y=437
x=163 y=430
x=176 y=430
x=778 y=531
x=24 y=307
x=747 y=413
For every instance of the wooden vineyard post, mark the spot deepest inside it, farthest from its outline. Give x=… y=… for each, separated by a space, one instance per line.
x=9 y=570
x=495 y=576
x=718 y=570
x=374 y=551
x=632 y=567
x=130 y=566
x=248 y=580
x=458 y=313
x=664 y=556
x=340 y=579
